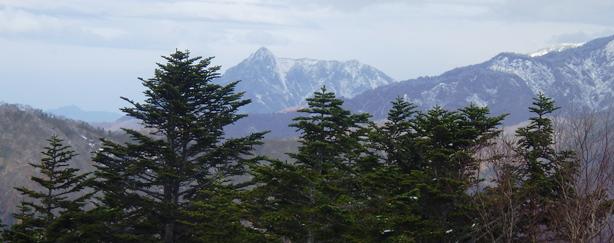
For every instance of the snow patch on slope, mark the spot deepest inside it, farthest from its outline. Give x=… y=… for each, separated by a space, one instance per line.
x=476 y=100
x=610 y=49
x=537 y=76
x=557 y=48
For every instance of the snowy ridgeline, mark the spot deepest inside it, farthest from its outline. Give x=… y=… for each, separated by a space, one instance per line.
x=579 y=75
x=281 y=84
x=574 y=75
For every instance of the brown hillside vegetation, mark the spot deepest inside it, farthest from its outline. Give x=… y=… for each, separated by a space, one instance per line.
x=23 y=134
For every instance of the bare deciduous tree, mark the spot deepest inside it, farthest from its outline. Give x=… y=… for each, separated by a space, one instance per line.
x=584 y=211
x=497 y=200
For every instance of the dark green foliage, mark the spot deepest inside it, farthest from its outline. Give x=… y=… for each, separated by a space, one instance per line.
x=536 y=140
x=339 y=190
x=279 y=202
x=310 y=200
x=541 y=169
x=388 y=207
x=448 y=141
x=216 y=215
x=2 y=230
x=388 y=199
x=62 y=194
x=419 y=190
x=397 y=137
x=330 y=136
x=150 y=182
x=519 y=205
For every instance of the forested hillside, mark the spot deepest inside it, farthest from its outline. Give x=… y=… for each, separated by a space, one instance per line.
x=23 y=135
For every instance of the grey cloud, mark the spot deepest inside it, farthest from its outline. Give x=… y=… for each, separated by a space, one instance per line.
x=574 y=37
x=577 y=11
x=572 y=11
x=347 y=5
x=263 y=38
x=579 y=36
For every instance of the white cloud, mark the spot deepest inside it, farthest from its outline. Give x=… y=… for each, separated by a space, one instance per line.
x=15 y=21
x=106 y=33
x=597 y=12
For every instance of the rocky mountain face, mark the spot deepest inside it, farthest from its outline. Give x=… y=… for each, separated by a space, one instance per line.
x=23 y=135
x=281 y=84
x=580 y=76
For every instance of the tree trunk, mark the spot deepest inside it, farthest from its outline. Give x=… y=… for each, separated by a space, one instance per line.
x=169 y=232
x=310 y=238
x=170 y=197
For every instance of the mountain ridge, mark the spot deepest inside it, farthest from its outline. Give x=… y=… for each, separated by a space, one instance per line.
x=76 y=113
x=276 y=84
x=579 y=76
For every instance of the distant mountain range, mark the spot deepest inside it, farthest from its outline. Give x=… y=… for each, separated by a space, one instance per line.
x=76 y=113
x=277 y=84
x=575 y=75
x=580 y=76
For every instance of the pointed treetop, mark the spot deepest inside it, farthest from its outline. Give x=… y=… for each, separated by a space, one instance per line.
x=543 y=105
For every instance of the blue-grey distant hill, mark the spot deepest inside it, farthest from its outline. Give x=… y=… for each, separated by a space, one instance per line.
x=76 y=113
x=580 y=76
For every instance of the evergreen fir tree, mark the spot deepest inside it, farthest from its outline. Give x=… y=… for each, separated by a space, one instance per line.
x=397 y=137
x=531 y=181
x=216 y=215
x=62 y=193
x=536 y=139
x=449 y=140
x=388 y=204
x=541 y=166
x=418 y=190
x=310 y=200
x=149 y=182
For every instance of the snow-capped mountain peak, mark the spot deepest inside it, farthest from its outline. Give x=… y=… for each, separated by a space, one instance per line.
x=575 y=75
x=276 y=84
x=556 y=48
x=262 y=54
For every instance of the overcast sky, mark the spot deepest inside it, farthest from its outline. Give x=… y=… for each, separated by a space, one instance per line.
x=88 y=53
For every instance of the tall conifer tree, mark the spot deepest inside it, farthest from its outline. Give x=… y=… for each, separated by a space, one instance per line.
x=419 y=190
x=542 y=165
x=448 y=141
x=310 y=200
x=388 y=202
x=149 y=182
x=396 y=138
x=519 y=206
